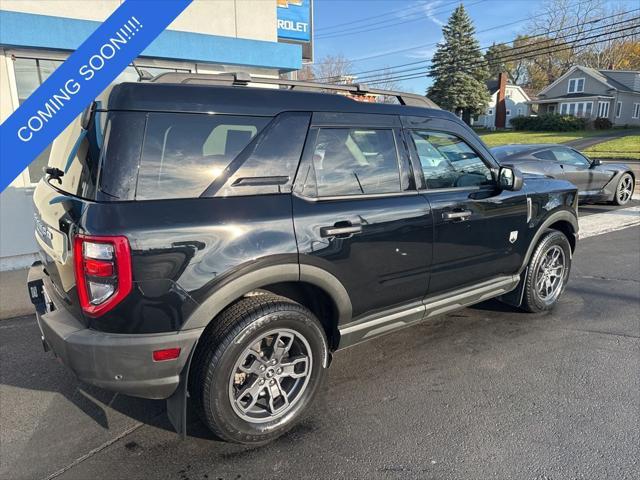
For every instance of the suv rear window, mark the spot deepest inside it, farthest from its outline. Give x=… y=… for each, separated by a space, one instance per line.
x=184 y=153
x=76 y=152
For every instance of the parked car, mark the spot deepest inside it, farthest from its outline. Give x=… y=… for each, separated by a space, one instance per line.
x=224 y=241
x=596 y=182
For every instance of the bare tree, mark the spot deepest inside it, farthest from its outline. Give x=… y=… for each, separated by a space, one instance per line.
x=332 y=69
x=556 y=24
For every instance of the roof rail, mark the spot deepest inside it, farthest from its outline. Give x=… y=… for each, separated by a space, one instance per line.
x=244 y=78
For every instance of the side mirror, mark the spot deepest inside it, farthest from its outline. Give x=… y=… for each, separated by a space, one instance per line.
x=595 y=162
x=510 y=178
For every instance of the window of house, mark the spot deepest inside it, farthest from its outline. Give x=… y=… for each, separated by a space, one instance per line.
x=508 y=113
x=519 y=111
x=355 y=161
x=490 y=111
x=618 y=109
x=636 y=110
x=576 y=85
x=579 y=109
x=551 y=109
x=603 y=109
x=184 y=153
x=448 y=162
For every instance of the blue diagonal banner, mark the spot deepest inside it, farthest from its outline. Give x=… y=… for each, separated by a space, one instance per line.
x=75 y=83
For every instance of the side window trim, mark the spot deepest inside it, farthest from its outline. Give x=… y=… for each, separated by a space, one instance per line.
x=306 y=166
x=417 y=166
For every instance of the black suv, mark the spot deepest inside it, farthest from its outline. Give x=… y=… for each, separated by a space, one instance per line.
x=213 y=243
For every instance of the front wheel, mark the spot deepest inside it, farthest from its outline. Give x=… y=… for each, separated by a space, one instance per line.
x=624 y=190
x=259 y=371
x=548 y=272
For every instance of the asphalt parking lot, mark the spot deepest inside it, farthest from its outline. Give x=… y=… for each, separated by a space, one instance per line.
x=486 y=392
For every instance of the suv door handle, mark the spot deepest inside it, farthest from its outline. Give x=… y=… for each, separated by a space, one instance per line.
x=458 y=215
x=340 y=231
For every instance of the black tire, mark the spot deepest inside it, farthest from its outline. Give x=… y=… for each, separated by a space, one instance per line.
x=624 y=190
x=533 y=300
x=215 y=362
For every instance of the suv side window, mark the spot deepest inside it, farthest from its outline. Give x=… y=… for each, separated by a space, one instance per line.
x=448 y=162
x=356 y=161
x=184 y=153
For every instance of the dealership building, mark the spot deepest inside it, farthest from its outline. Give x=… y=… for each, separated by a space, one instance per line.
x=261 y=37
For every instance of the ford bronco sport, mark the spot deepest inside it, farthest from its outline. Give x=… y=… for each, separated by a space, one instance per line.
x=212 y=243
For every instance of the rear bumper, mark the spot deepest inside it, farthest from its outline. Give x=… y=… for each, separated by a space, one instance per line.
x=117 y=362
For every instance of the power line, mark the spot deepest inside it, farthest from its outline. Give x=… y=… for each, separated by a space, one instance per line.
x=416 y=9
x=527 y=55
x=507 y=42
x=354 y=32
x=431 y=44
x=510 y=53
x=421 y=75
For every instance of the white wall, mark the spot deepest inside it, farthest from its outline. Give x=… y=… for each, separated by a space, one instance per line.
x=254 y=19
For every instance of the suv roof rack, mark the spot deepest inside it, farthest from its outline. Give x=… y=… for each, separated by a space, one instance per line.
x=244 y=78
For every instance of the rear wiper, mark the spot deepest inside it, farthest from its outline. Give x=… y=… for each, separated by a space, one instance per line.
x=54 y=173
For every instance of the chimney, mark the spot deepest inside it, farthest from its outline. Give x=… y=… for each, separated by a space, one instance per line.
x=501 y=105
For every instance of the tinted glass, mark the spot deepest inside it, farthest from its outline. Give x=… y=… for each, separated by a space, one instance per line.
x=121 y=156
x=184 y=153
x=77 y=153
x=448 y=162
x=570 y=157
x=356 y=161
x=545 y=155
x=507 y=150
x=268 y=167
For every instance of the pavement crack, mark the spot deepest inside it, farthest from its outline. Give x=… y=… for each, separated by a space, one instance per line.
x=94 y=451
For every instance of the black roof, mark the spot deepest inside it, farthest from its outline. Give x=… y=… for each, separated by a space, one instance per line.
x=243 y=100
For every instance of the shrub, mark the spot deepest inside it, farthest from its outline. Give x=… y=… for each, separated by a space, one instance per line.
x=549 y=122
x=602 y=123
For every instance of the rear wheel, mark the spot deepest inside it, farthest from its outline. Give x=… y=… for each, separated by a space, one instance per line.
x=548 y=272
x=259 y=371
x=624 y=190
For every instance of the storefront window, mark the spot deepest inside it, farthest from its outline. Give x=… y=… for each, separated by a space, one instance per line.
x=32 y=72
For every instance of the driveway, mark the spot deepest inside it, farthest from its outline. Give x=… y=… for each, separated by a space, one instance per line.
x=584 y=143
x=486 y=392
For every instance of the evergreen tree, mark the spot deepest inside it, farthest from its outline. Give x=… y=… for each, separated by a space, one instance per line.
x=458 y=69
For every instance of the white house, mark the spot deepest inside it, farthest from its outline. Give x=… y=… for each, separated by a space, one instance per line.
x=515 y=101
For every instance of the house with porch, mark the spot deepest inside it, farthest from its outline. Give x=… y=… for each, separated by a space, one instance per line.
x=590 y=93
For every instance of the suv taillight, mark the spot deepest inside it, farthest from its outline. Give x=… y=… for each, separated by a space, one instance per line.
x=103 y=272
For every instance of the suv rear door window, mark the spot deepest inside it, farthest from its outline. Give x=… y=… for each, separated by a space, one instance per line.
x=184 y=153
x=356 y=161
x=448 y=162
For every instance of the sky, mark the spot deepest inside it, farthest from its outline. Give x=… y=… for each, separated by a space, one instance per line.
x=398 y=32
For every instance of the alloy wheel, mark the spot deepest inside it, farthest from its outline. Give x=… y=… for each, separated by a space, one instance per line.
x=625 y=189
x=550 y=274
x=270 y=376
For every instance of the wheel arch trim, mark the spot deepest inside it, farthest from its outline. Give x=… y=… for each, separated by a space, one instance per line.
x=559 y=216
x=262 y=277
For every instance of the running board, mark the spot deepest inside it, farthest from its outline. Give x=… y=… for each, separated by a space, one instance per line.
x=392 y=320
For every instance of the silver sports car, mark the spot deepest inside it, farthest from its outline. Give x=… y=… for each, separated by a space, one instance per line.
x=596 y=181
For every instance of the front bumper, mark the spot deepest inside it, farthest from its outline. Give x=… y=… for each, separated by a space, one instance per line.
x=117 y=362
